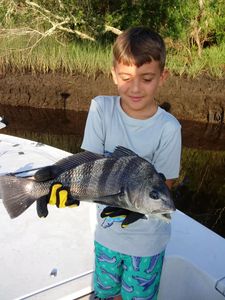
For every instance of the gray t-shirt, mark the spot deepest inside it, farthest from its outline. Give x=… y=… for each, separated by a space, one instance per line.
x=158 y=140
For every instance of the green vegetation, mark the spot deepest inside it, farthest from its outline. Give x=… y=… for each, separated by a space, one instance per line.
x=76 y=36
x=186 y=62
x=89 y=58
x=51 y=56
x=201 y=187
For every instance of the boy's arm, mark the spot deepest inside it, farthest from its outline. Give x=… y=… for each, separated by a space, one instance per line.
x=169 y=183
x=94 y=133
x=167 y=157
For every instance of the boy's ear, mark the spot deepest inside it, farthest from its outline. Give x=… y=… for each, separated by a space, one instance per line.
x=114 y=75
x=164 y=75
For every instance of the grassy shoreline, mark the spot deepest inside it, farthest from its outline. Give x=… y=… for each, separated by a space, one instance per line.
x=18 y=55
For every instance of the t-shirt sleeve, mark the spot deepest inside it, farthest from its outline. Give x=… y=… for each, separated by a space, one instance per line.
x=94 y=136
x=167 y=157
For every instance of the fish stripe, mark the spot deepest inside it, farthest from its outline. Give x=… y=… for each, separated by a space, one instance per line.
x=118 y=174
x=108 y=165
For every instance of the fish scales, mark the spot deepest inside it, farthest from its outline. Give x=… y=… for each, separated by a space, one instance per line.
x=101 y=172
x=118 y=173
x=86 y=179
x=81 y=178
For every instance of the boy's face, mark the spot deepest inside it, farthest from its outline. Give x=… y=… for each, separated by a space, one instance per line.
x=137 y=87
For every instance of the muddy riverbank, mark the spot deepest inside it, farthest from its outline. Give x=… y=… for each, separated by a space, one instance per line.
x=200 y=99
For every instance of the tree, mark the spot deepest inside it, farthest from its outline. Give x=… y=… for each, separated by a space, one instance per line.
x=197 y=23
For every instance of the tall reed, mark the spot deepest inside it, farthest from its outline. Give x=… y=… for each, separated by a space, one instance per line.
x=26 y=54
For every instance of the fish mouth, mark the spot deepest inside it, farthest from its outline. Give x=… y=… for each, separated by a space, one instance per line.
x=167 y=210
x=166 y=217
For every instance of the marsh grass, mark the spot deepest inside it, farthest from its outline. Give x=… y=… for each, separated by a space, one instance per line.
x=48 y=55
x=200 y=190
x=203 y=166
x=51 y=56
x=186 y=62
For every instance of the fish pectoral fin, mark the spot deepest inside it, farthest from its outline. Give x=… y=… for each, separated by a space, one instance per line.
x=119 y=194
x=105 y=198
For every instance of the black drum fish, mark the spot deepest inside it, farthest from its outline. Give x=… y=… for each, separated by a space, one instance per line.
x=122 y=180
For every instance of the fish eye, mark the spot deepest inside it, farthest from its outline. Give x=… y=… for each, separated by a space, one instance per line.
x=154 y=195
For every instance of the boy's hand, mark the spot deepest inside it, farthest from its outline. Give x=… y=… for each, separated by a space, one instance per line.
x=58 y=195
x=130 y=216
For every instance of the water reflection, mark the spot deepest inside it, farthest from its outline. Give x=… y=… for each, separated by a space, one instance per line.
x=28 y=121
x=59 y=128
x=52 y=121
x=200 y=190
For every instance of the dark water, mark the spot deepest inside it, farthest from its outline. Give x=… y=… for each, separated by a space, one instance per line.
x=200 y=189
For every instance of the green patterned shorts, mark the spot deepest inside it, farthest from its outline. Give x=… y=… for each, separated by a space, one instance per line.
x=132 y=277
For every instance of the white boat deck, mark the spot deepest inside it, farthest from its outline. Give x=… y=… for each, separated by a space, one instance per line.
x=52 y=258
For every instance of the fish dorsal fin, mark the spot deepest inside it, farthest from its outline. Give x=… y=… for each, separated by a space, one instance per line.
x=65 y=164
x=77 y=159
x=121 y=151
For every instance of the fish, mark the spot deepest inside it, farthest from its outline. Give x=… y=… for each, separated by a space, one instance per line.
x=123 y=180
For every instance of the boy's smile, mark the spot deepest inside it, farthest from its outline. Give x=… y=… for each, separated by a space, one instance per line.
x=137 y=87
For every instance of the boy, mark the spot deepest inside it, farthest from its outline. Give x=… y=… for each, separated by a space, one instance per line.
x=128 y=261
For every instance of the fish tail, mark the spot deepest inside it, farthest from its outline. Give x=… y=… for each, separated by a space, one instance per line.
x=16 y=193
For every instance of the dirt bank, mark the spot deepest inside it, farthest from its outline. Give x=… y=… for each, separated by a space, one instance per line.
x=201 y=99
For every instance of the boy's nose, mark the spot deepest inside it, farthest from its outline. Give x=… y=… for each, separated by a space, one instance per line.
x=135 y=86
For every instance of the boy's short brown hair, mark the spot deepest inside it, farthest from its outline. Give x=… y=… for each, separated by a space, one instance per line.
x=139 y=45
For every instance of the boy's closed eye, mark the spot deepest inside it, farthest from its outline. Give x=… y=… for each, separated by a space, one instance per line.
x=147 y=79
x=125 y=78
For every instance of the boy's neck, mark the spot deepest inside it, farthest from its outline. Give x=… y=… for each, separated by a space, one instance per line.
x=140 y=114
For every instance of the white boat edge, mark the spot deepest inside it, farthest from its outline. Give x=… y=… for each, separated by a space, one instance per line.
x=2 y=124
